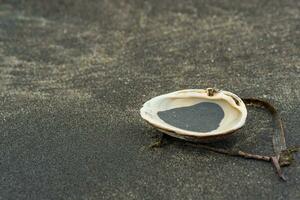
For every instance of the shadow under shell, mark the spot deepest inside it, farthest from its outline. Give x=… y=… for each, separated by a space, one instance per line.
x=201 y=117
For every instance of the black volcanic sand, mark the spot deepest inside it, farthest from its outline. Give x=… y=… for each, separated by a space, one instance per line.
x=74 y=74
x=201 y=117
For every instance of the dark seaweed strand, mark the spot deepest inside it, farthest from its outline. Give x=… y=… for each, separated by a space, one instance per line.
x=238 y=153
x=278 y=139
x=283 y=155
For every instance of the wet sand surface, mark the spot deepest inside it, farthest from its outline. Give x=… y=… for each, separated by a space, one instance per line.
x=74 y=74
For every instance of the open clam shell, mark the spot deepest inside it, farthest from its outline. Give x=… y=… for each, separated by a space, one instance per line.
x=196 y=114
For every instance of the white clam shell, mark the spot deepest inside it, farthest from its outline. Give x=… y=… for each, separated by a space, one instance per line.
x=234 y=109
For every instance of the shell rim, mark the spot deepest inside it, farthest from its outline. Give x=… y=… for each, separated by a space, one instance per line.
x=201 y=93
